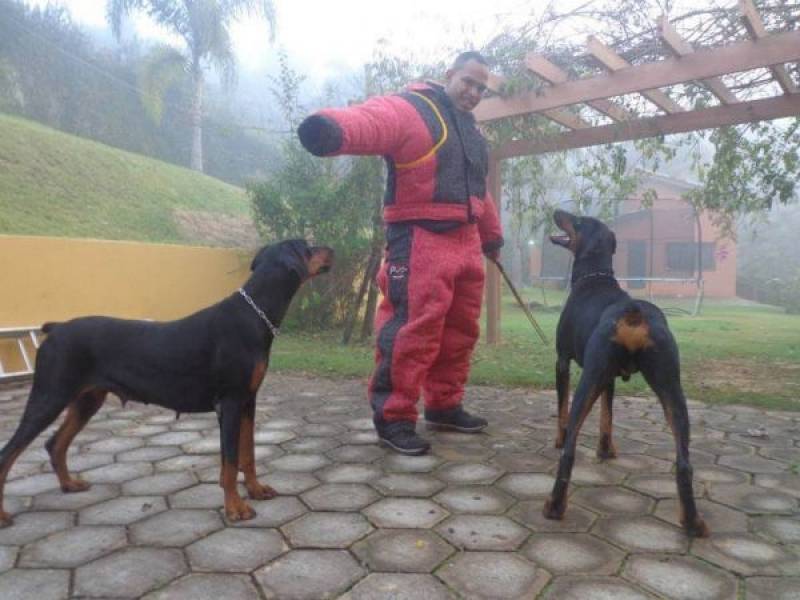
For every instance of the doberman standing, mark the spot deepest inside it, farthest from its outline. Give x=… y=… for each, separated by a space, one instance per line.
x=611 y=335
x=213 y=360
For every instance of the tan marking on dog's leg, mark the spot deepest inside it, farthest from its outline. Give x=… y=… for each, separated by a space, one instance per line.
x=5 y=518
x=236 y=509
x=247 y=462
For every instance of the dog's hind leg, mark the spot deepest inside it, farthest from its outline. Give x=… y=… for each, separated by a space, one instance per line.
x=42 y=409
x=605 y=446
x=247 y=459
x=236 y=509
x=562 y=391
x=79 y=411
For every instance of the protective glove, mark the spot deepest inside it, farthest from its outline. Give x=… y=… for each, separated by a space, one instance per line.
x=320 y=135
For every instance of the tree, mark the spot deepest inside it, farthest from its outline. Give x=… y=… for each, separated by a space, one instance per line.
x=204 y=26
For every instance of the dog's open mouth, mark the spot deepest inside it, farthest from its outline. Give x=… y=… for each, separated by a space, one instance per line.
x=563 y=221
x=321 y=261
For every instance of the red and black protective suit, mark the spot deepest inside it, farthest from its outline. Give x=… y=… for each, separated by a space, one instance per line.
x=439 y=219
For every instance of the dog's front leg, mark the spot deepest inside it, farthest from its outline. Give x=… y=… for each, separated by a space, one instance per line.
x=605 y=446
x=562 y=391
x=236 y=509
x=247 y=458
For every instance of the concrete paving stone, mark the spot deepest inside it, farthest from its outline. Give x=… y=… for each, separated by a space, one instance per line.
x=785 y=530
x=529 y=514
x=302 y=463
x=194 y=423
x=273 y=436
x=356 y=454
x=596 y=474
x=58 y=500
x=144 y=430
x=403 y=550
x=287 y=483
x=746 y=554
x=326 y=530
x=661 y=486
x=109 y=424
x=28 y=527
x=32 y=485
x=468 y=473
x=340 y=496
x=364 y=424
x=73 y=547
x=356 y=438
x=723 y=447
x=713 y=474
x=161 y=419
x=398 y=586
x=8 y=554
x=786 y=455
x=176 y=527
x=148 y=454
x=752 y=464
x=310 y=445
x=754 y=500
x=772 y=588
x=681 y=578
x=641 y=534
x=612 y=500
x=573 y=553
x=174 y=438
x=527 y=485
x=202 y=446
x=405 y=513
x=204 y=495
x=350 y=473
x=595 y=588
x=463 y=453
x=83 y=462
x=236 y=550
x=641 y=463
x=208 y=586
x=281 y=424
x=719 y=518
x=411 y=464
x=122 y=511
x=131 y=572
x=414 y=484
x=787 y=483
x=118 y=472
x=113 y=445
x=15 y=505
x=309 y=575
x=498 y=575
x=514 y=462
x=161 y=483
x=483 y=532
x=20 y=470
x=667 y=452
x=321 y=430
x=475 y=499
x=273 y=512
x=774 y=439
x=186 y=463
x=41 y=584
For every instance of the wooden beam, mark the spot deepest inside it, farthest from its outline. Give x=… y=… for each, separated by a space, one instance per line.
x=755 y=27
x=718 y=116
x=681 y=47
x=553 y=74
x=614 y=62
x=775 y=49
x=492 y=275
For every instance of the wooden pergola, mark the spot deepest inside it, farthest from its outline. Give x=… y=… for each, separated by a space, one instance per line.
x=560 y=99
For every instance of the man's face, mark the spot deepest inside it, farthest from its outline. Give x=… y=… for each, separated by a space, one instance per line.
x=466 y=86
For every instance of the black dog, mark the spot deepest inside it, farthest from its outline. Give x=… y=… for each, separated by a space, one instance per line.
x=609 y=335
x=214 y=359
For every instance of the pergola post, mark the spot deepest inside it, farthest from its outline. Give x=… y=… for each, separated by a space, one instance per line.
x=492 y=274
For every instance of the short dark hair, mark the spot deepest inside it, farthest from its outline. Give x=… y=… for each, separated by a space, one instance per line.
x=463 y=58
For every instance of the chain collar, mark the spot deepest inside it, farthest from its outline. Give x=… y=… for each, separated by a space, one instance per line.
x=274 y=330
x=605 y=273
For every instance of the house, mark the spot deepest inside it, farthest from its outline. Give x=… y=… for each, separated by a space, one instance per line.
x=658 y=244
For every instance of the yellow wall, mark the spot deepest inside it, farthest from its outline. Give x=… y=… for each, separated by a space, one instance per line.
x=51 y=279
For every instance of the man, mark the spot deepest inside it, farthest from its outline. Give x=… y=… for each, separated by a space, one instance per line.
x=439 y=219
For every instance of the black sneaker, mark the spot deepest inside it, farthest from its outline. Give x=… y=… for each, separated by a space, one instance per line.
x=402 y=437
x=455 y=419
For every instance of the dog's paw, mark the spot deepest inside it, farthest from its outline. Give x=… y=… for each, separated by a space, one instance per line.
x=75 y=485
x=606 y=450
x=553 y=511
x=259 y=491
x=697 y=529
x=5 y=519
x=240 y=511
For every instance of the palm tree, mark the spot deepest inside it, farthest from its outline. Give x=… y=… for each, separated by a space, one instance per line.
x=204 y=26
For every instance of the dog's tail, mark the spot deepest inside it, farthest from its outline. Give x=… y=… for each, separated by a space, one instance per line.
x=632 y=330
x=48 y=327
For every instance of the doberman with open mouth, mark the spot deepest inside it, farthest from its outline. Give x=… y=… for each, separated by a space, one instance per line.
x=213 y=360
x=610 y=335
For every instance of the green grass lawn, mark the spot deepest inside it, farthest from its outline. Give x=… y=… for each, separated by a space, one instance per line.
x=52 y=183
x=733 y=353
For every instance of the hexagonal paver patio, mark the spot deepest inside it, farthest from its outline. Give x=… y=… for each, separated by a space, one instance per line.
x=357 y=522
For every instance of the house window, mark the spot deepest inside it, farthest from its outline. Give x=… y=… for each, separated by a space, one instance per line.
x=682 y=257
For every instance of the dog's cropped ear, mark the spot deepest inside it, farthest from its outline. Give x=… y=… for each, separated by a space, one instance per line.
x=258 y=258
x=613 y=243
x=294 y=257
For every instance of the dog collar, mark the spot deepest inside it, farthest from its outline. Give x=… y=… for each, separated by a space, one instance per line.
x=274 y=330
x=608 y=273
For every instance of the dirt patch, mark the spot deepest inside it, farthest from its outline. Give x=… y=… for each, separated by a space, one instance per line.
x=749 y=376
x=215 y=229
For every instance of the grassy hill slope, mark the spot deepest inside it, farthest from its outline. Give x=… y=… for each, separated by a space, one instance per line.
x=52 y=183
